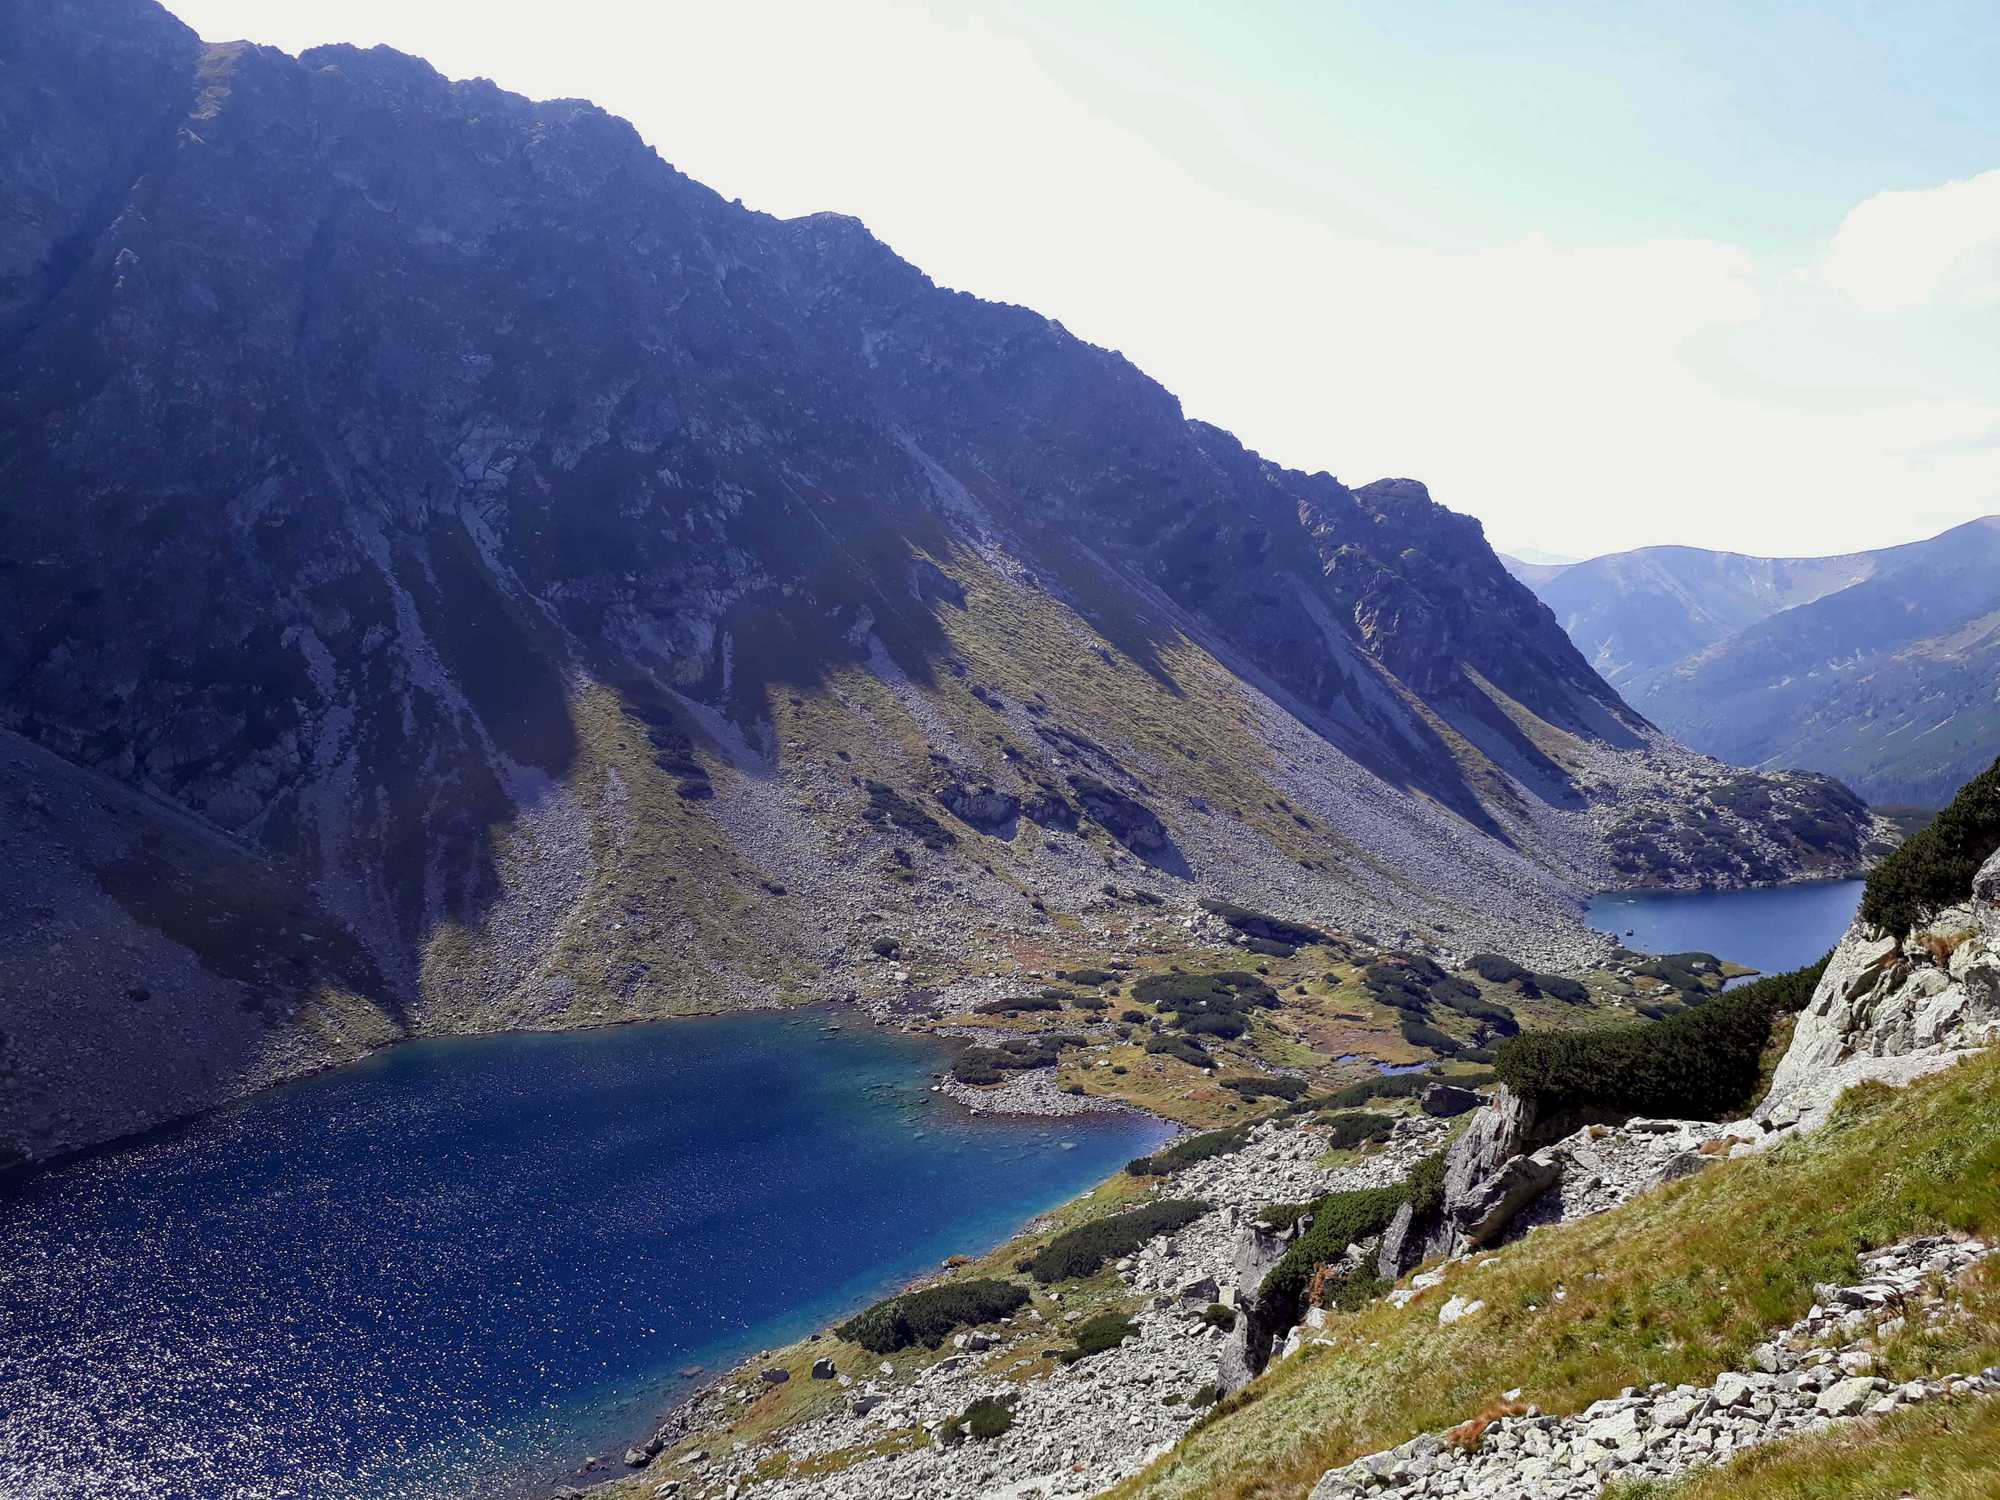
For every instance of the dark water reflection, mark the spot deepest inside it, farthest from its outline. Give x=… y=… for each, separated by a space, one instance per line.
x=457 y=1268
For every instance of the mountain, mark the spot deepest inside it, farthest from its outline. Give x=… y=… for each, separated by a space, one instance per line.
x=1877 y=667
x=460 y=573
x=1630 y=612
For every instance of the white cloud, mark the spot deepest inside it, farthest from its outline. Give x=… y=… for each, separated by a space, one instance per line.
x=1901 y=250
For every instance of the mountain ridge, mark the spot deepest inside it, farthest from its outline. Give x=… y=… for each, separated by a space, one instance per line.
x=1870 y=666
x=594 y=600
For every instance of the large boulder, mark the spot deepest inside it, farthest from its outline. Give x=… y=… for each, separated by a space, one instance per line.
x=1894 y=1011
x=1484 y=1212
x=1445 y=1102
x=1248 y=1348
x=983 y=805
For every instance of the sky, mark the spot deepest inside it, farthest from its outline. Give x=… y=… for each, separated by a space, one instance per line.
x=1602 y=274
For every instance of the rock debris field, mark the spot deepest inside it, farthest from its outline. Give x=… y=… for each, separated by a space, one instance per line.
x=1818 y=1371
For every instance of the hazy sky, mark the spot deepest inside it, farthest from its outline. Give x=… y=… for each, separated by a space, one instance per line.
x=1602 y=274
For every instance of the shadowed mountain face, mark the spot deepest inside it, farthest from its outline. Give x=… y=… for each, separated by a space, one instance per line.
x=589 y=598
x=1878 y=667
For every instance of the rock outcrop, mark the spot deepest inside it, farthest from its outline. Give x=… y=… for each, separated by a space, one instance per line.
x=1893 y=1011
x=1884 y=1010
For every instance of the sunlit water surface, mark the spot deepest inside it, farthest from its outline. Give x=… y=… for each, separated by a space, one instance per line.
x=460 y=1267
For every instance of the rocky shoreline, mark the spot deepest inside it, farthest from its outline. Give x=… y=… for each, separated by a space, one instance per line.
x=1077 y=1428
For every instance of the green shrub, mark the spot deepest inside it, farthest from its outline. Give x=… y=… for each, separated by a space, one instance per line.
x=1228 y=992
x=1082 y=1250
x=1338 y=1220
x=1699 y=1063
x=1092 y=977
x=1215 y=1315
x=974 y=1066
x=1282 y=1216
x=1494 y=969
x=1934 y=867
x=1569 y=991
x=1495 y=1016
x=1269 y=948
x=1186 y=1049
x=1228 y=1026
x=1132 y=1017
x=981 y=1065
x=1419 y=1034
x=1425 y=1185
x=1183 y=1153
x=1105 y=1331
x=1686 y=972
x=1013 y=1005
x=1089 y=1002
x=983 y=1421
x=886 y=947
x=1253 y=1086
x=1345 y=1131
x=887 y=805
x=1387 y=1086
x=1257 y=924
x=930 y=1316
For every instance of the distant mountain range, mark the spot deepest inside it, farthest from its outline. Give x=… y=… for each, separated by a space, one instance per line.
x=1882 y=668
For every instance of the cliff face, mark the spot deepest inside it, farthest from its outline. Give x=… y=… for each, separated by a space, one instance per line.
x=578 y=592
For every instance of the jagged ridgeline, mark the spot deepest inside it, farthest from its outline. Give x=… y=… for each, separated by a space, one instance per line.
x=558 y=594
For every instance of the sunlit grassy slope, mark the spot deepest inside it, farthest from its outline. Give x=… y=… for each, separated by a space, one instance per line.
x=1675 y=1286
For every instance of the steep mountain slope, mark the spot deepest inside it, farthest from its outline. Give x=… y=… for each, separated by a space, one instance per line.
x=1879 y=667
x=590 y=599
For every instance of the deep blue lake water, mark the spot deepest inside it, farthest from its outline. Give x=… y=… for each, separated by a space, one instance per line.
x=460 y=1267
x=1784 y=927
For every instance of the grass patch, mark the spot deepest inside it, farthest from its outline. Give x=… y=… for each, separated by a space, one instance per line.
x=1677 y=1285
x=1941 y=1452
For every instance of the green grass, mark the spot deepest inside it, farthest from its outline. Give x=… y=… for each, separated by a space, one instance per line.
x=1949 y=1451
x=1675 y=1286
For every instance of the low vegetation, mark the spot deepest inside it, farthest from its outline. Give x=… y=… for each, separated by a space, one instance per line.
x=1186 y=1152
x=1257 y=924
x=1258 y=1086
x=1217 y=1004
x=930 y=1316
x=1934 y=867
x=1083 y=1250
x=1356 y=1127
x=1694 y=1064
x=1675 y=1286
x=984 y=1420
x=1105 y=1331
x=1338 y=1220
